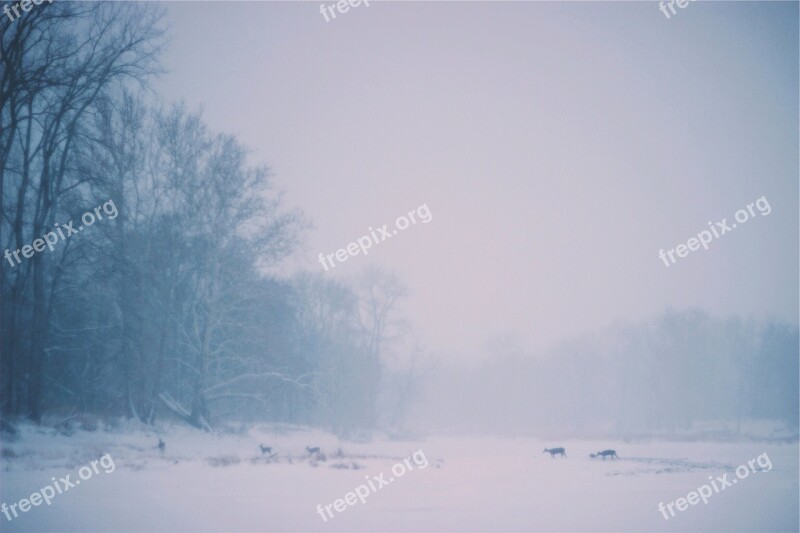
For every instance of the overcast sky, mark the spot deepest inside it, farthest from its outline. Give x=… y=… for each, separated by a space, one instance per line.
x=559 y=146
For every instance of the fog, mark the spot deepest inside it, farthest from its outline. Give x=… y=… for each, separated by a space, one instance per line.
x=683 y=374
x=250 y=249
x=558 y=155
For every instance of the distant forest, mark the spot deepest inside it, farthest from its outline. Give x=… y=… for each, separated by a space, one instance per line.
x=680 y=372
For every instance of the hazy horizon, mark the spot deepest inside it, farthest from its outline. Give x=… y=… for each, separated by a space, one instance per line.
x=543 y=143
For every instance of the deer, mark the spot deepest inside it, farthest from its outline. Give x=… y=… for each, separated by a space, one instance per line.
x=161 y=445
x=556 y=451
x=313 y=451
x=265 y=449
x=316 y=454
x=606 y=453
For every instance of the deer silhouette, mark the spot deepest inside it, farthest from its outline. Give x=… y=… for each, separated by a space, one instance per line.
x=161 y=445
x=606 y=453
x=265 y=449
x=312 y=451
x=556 y=451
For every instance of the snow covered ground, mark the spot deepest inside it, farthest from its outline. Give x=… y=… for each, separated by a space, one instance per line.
x=223 y=483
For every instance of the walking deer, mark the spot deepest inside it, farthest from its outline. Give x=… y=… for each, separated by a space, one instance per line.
x=606 y=453
x=316 y=454
x=556 y=451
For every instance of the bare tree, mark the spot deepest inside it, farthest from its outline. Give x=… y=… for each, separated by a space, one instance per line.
x=58 y=63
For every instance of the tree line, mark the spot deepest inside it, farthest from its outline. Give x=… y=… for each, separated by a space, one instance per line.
x=167 y=308
x=680 y=373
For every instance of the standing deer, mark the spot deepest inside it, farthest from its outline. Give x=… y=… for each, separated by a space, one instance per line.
x=556 y=451
x=161 y=445
x=606 y=453
x=316 y=454
x=265 y=449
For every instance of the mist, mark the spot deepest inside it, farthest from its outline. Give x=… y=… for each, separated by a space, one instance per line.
x=539 y=260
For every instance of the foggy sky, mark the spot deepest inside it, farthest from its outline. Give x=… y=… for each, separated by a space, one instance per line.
x=558 y=146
